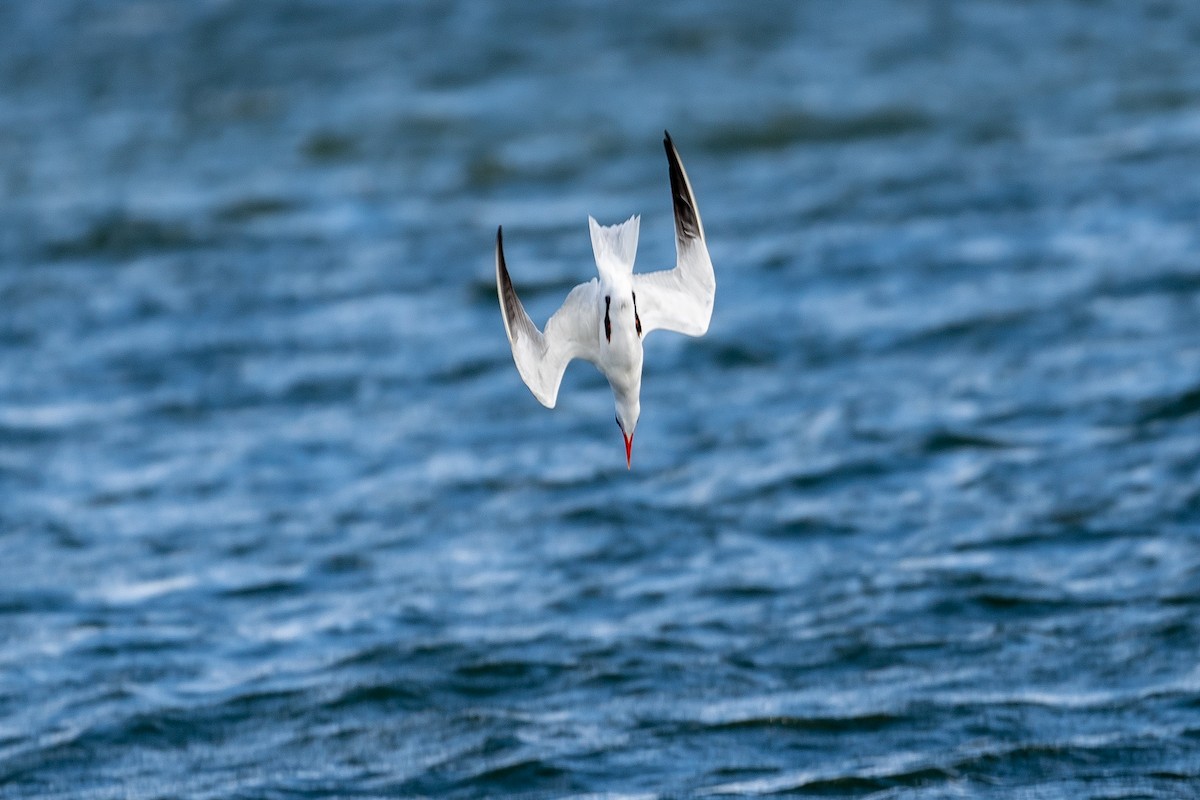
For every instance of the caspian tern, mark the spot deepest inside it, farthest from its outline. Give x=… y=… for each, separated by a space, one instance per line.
x=604 y=320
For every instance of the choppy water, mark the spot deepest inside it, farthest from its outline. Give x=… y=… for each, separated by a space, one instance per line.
x=919 y=517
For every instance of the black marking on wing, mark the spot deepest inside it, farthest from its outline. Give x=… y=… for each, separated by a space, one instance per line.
x=512 y=303
x=607 y=322
x=687 y=224
x=637 y=321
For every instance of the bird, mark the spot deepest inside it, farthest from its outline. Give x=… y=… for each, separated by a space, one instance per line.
x=605 y=319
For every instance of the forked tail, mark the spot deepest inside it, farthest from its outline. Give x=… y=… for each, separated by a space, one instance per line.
x=615 y=246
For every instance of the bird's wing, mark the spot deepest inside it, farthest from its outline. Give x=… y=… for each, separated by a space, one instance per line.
x=679 y=299
x=572 y=332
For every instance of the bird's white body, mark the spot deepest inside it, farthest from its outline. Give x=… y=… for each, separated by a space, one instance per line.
x=604 y=320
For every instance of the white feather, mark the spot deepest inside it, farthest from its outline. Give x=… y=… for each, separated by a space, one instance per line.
x=603 y=321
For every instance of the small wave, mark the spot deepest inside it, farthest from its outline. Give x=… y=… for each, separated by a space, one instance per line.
x=1180 y=406
x=1040 y=758
x=522 y=775
x=266 y=588
x=1172 y=283
x=741 y=591
x=467 y=369
x=138 y=591
x=121 y=235
x=943 y=441
x=869 y=721
x=345 y=564
x=741 y=354
x=900 y=770
x=846 y=472
x=33 y=600
x=253 y=208
x=329 y=146
x=810 y=525
x=486 y=678
x=983 y=330
x=788 y=129
x=379 y=696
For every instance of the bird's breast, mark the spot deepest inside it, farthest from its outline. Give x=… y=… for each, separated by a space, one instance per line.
x=621 y=360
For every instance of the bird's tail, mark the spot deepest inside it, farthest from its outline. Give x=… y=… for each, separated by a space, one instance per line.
x=615 y=245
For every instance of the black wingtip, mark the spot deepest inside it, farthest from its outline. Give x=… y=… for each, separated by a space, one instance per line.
x=687 y=221
x=501 y=267
x=509 y=302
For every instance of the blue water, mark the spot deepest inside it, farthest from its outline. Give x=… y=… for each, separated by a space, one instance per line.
x=919 y=517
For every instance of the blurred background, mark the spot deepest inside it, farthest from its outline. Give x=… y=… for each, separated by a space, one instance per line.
x=920 y=516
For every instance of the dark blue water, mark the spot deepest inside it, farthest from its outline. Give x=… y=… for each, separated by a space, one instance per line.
x=919 y=517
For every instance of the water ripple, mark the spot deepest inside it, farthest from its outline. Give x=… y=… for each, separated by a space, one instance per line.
x=917 y=517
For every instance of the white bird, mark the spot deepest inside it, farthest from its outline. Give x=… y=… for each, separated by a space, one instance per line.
x=604 y=320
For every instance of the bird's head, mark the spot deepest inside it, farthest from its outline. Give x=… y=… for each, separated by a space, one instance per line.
x=627 y=419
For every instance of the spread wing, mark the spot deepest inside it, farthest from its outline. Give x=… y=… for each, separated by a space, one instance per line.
x=572 y=332
x=679 y=299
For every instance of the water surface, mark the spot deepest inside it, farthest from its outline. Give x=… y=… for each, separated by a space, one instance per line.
x=919 y=517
